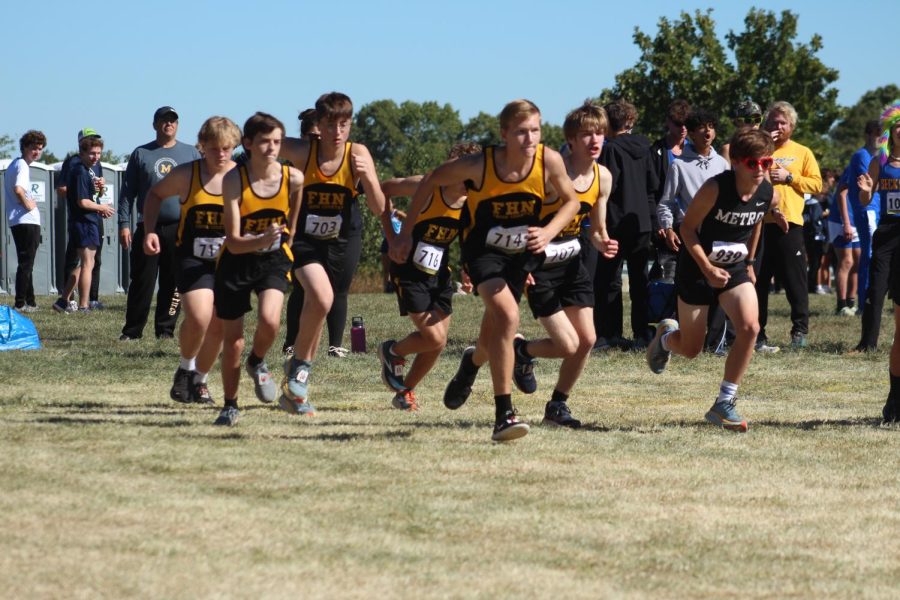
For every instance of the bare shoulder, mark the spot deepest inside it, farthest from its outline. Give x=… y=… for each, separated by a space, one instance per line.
x=295 y=149
x=296 y=176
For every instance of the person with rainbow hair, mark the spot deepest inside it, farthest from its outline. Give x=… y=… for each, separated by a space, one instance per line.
x=884 y=177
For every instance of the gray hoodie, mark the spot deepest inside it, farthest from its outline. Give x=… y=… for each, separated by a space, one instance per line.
x=686 y=174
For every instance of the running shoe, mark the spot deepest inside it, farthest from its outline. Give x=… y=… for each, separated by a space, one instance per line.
x=181 y=385
x=28 y=308
x=391 y=367
x=405 y=400
x=63 y=307
x=798 y=341
x=263 y=384
x=295 y=389
x=228 y=417
x=724 y=414
x=509 y=427
x=890 y=413
x=460 y=386
x=763 y=347
x=200 y=393
x=96 y=305
x=557 y=414
x=657 y=356
x=83 y=310
x=337 y=352
x=523 y=368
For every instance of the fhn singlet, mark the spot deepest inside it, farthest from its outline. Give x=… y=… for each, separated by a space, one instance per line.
x=329 y=201
x=201 y=229
x=258 y=213
x=567 y=244
x=435 y=229
x=496 y=216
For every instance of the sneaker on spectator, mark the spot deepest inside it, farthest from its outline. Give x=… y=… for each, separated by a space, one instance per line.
x=763 y=347
x=61 y=306
x=337 y=352
x=96 y=305
x=798 y=341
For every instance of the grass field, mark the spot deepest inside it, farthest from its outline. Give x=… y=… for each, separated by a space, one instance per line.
x=110 y=489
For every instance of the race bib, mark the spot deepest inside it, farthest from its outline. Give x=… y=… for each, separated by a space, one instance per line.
x=727 y=253
x=276 y=245
x=428 y=258
x=322 y=227
x=511 y=240
x=893 y=203
x=207 y=248
x=560 y=252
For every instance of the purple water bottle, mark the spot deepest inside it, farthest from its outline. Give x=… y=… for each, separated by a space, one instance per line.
x=357 y=335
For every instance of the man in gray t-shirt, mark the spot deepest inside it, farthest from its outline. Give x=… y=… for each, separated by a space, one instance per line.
x=147 y=165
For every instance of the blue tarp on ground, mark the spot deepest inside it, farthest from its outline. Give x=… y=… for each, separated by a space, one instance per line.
x=17 y=332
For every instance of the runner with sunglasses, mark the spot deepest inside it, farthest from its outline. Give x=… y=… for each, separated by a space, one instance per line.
x=721 y=232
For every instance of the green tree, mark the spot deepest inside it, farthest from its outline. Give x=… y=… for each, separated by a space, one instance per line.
x=8 y=146
x=48 y=158
x=686 y=59
x=847 y=135
x=483 y=129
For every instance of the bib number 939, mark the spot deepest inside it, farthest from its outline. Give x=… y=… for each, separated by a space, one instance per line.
x=727 y=253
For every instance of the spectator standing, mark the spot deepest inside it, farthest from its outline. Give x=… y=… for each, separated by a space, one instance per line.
x=71 y=260
x=815 y=232
x=663 y=152
x=866 y=217
x=844 y=238
x=630 y=217
x=881 y=184
x=794 y=173
x=148 y=165
x=23 y=216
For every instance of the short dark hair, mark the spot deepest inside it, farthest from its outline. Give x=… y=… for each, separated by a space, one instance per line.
x=678 y=111
x=700 y=117
x=334 y=105
x=750 y=143
x=91 y=141
x=308 y=118
x=621 y=114
x=873 y=127
x=262 y=123
x=32 y=137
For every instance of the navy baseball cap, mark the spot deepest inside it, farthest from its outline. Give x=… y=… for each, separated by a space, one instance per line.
x=163 y=111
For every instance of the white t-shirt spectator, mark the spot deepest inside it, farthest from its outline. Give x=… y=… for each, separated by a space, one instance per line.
x=17 y=175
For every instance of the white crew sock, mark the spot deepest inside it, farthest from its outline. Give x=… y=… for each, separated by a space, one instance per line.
x=188 y=364
x=727 y=391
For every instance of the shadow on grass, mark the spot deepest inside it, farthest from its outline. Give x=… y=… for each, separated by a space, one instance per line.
x=814 y=424
x=317 y=437
x=100 y=421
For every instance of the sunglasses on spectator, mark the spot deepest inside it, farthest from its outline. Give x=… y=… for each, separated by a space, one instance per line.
x=751 y=120
x=765 y=162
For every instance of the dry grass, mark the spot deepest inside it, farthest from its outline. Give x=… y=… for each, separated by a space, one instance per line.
x=111 y=490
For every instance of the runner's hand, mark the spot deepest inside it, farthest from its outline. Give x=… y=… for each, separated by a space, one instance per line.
x=717 y=277
x=538 y=238
x=151 y=244
x=399 y=247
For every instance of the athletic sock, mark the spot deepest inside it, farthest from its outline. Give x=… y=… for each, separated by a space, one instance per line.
x=467 y=365
x=727 y=391
x=558 y=396
x=296 y=363
x=502 y=405
x=253 y=360
x=188 y=364
x=200 y=377
x=232 y=403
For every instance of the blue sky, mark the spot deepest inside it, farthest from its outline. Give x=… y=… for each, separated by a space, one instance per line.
x=110 y=65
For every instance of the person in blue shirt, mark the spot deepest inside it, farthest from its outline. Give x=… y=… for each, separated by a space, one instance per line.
x=865 y=216
x=844 y=238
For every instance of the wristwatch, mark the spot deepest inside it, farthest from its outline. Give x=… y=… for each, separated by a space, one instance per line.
x=789 y=179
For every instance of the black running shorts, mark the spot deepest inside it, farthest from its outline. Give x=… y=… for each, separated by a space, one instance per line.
x=489 y=265
x=331 y=254
x=419 y=292
x=195 y=274
x=692 y=287
x=237 y=275
x=560 y=286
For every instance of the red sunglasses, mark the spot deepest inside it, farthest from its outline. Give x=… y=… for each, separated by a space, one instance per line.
x=765 y=162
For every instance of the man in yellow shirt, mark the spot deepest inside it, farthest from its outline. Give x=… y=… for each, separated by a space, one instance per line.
x=794 y=173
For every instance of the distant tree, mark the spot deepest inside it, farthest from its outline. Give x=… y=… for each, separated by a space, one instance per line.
x=8 y=146
x=847 y=135
x=48 y=158
x=687 y=60
x=482 y=128
x=407 y=139
x=552 y=135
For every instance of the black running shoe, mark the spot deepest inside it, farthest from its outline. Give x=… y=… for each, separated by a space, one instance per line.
x=200 y=393
x=890 y=413
x=523 y=369
x=460 y=386
x=391 y=367
x=557 y=414
x=181 y=385
x=509 y=427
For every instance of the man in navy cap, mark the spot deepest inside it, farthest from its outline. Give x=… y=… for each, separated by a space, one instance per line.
x=147 y=165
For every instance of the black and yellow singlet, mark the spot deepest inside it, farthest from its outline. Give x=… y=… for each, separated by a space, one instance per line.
x=435 y=229
x=567 y=244
x=328 y=206
x=258 y=213
x=201 y=227
x=497 y=215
